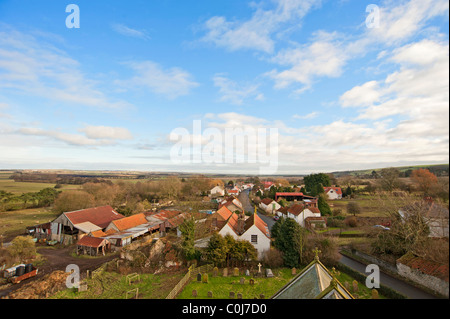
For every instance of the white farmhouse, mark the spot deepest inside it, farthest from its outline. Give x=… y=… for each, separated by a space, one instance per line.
x=252 y=229
x=269 y=205
x=217 y=190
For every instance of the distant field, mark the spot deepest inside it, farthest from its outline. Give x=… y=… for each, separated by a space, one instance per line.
x=13 y=223
x=17 y=188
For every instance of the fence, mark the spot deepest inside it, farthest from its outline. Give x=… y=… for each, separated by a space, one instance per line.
x=191 y=273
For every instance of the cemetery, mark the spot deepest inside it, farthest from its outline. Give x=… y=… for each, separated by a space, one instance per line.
x=263 y=283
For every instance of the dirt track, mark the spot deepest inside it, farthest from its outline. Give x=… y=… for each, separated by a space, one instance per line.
x=58 y=259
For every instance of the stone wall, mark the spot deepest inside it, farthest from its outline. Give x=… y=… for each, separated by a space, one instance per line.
x=434 y=283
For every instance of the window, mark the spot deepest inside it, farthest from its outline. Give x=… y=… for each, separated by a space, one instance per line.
x=254 y=239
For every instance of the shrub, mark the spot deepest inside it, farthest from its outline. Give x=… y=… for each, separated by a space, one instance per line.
x=273 y=258
x=351 y=221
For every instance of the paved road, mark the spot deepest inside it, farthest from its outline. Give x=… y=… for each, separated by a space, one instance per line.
x=245 y=200
x=394 y=283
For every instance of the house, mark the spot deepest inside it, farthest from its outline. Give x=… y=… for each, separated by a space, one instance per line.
x=315 y=281
x=300 y=212
x=72 y=226
x=217 y=191
x=252 y=229
x=269 y=205
x=267 y=185
x=333 y=192
x=434 y=215
x=233 y=204
x=233 y=190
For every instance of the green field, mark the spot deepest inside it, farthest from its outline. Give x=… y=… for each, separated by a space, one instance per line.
x=13 y=223
x=370 y=206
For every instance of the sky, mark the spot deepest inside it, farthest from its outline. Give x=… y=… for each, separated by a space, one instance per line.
x=245 y=87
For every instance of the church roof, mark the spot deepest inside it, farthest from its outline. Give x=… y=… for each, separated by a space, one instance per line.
x=313 y=282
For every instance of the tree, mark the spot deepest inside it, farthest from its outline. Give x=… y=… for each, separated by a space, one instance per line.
x=22 y=247
x=73 y=200
x=424 y=180
x=323 y=205
x=353 y=208
x=314 y=179
x=187 y=229
x=290 y=242
x=389 y=178
x=217 y=249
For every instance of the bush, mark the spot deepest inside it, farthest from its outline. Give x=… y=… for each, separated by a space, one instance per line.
x=273 y=258
x=351 y=221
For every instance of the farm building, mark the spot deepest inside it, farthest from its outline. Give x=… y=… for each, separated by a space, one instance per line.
x=92 y=246
x=69 y=227
x=269 y=205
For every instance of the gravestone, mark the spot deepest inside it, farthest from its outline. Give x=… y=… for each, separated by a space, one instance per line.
x=215 y=271
x=83 y=286
x=355 y=286
x=269 y=273
x=239 y=296
x=375 y=294
x=199 y=277
x=225 y=272
x=261 y=296
x=242 y=281
x=231 y=294
x=247 y=272
x=194 y=293
x=294 y=271
x=236 y=272
x=210 y=294
x=347 y=285
x=205 y=278
x=252 y=282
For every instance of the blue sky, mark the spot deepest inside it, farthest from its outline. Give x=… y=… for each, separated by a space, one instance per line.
x=107 y=95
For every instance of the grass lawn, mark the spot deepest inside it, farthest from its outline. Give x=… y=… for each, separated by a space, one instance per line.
x=370 y=206
x=111 y=285
x=221 y=286
x=362 y=293
x=13 y=223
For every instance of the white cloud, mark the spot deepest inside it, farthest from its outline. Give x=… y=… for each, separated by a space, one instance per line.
x=172 y=83
x=106 y=132
x=323 y=57
x=363 y=95
x=234 y=92
x=401 y=21
x=39 y=69
x=308 y=116
x=256 y=32
x=129 y=32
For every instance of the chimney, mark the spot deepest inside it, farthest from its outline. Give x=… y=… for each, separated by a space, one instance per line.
x=240 y=223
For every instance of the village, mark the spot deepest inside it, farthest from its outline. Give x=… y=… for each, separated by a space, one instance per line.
x=266 y=238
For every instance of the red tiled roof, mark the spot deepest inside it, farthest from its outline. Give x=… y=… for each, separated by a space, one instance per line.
x=314 y=210
x=288 y=194
x=296 y=209
x=254 y=219
x=338 y=190
x=91 y=241
x=425 y=266
x=130 y=221
x=267 y=201
x=224 y=212
x=100 y=216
